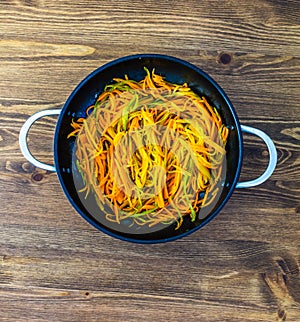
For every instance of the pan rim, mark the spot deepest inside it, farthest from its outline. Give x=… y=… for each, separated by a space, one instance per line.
x=209 y=79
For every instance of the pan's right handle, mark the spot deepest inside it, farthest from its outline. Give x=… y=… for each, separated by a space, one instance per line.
x=272 y=158
x=23 y=138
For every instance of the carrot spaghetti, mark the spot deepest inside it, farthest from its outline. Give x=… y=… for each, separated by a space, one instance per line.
x=150 y=150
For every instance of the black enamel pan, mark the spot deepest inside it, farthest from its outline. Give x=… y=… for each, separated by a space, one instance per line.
x=176 y=71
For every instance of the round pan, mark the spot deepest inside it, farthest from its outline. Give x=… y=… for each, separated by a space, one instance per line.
x=176 y=71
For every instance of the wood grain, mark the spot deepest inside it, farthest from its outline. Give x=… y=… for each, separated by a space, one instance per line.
x=242 y=266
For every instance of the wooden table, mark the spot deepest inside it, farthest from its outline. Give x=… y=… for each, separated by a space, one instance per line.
x=242 y=266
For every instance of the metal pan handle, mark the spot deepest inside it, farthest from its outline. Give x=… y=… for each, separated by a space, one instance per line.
x=272 y=158
x=23 y=138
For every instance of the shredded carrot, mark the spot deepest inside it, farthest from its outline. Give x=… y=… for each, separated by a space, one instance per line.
x=133 y=131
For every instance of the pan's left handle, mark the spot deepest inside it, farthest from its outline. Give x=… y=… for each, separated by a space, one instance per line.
x=23 y=138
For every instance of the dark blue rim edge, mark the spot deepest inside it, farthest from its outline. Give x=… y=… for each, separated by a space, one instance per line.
x=209 y=79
